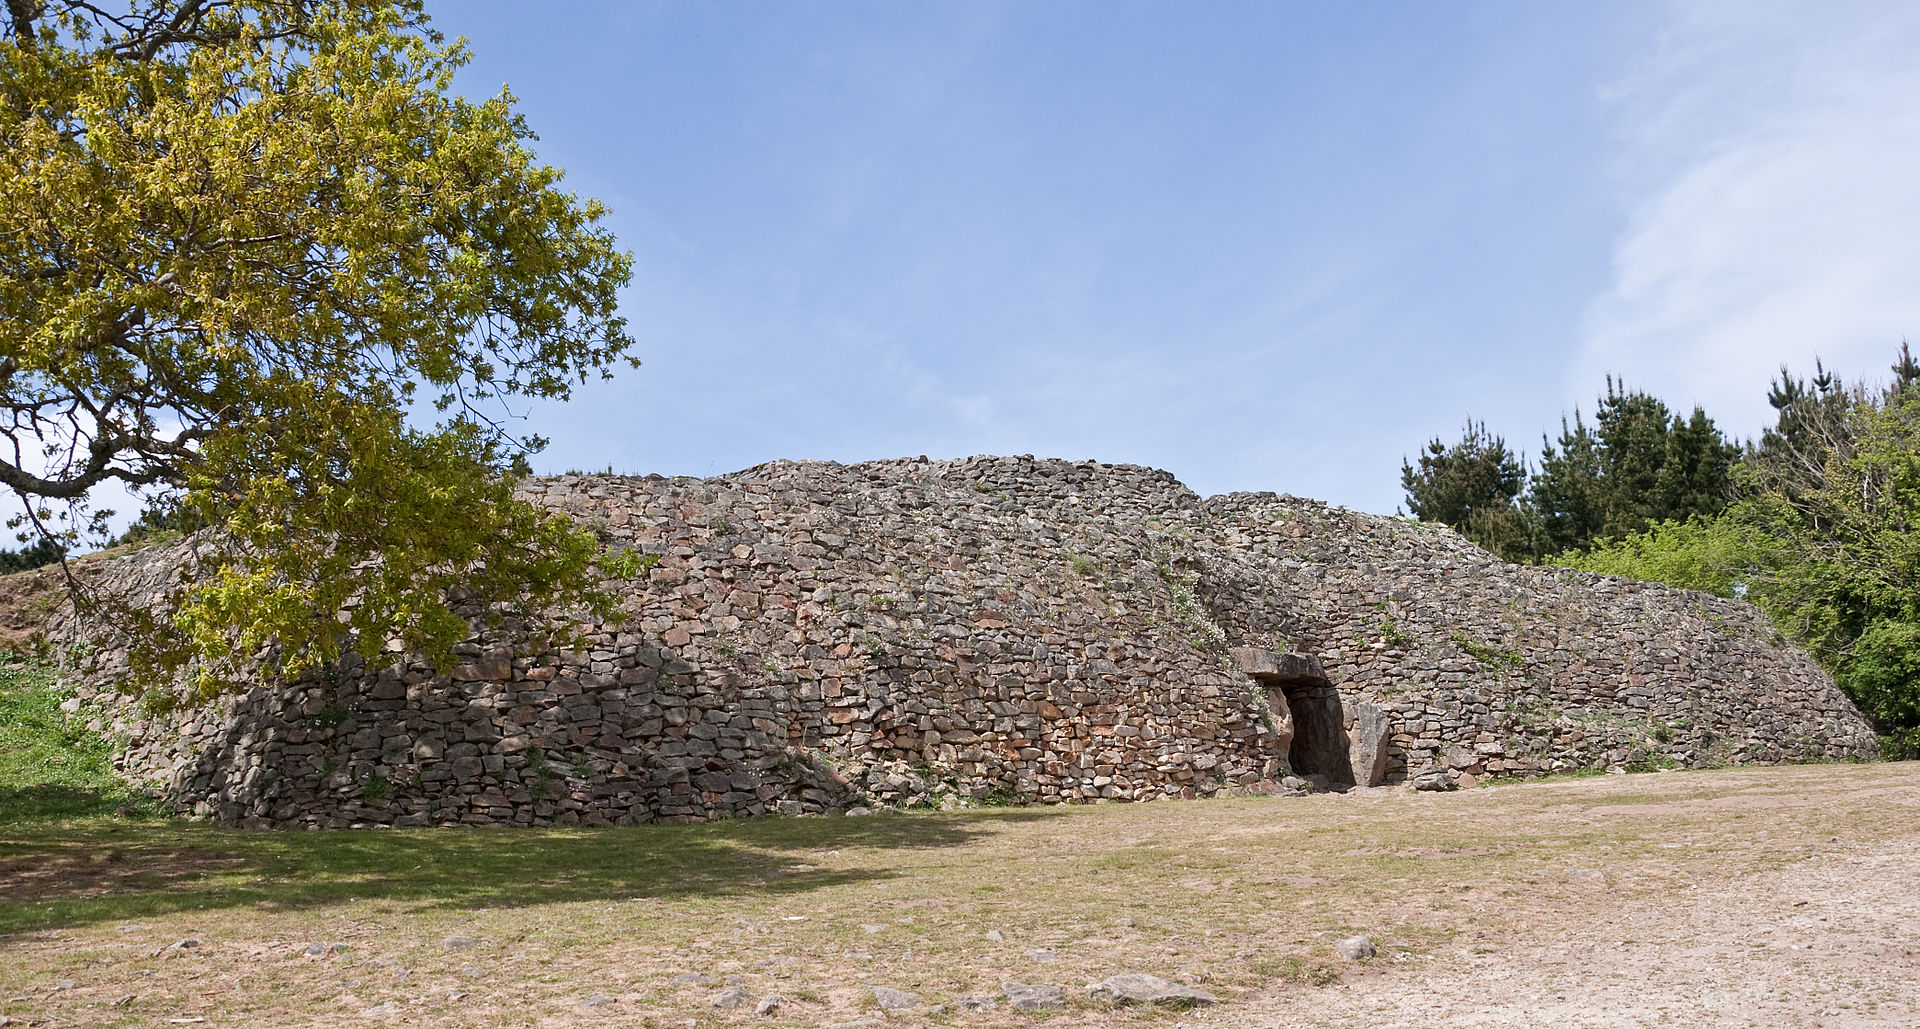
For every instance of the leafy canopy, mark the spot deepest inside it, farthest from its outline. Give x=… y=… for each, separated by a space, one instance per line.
x=243 y=240
x=1822 y=537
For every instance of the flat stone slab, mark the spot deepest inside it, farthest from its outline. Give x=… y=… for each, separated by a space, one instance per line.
x=1140 y=988
x=1033 y=996
x=1278 y=667
x=891 y=999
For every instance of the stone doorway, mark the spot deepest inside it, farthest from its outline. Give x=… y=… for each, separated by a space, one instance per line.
x=1320 y=748
x=1306 y=712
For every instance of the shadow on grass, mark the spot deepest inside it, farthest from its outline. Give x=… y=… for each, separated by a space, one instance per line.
x=56 y=874
x=46 y=803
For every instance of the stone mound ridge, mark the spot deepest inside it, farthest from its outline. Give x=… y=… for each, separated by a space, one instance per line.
x=812 y=636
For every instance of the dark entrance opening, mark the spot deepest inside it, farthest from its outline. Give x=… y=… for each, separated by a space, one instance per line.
x=1307 y=712
x=1320 y=748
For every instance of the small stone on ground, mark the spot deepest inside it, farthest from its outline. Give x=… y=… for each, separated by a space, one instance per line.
x=731 y=997
x=1355 y=948
x=891 y=999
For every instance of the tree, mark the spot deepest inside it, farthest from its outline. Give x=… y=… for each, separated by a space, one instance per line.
x=1568 y=493
x=1813 y=423
x=243 y=239
x=161 y=521
x=1851 y=593
x=39 y=554
x=1822 y=537
x=1640 y=463
x=1473 y=485
x=1906 y=371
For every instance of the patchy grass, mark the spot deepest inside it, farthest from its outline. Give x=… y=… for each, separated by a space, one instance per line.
x=1244 y=897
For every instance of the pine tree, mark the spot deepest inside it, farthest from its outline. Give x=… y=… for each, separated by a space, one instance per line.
x=1638 y=464
x=1473 y=485
x=1813 y=424
x=1906 y=371
x=42 y=551
x=1567 y=493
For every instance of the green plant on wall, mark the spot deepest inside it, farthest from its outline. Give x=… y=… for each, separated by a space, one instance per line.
x=1486 y=653
x=1391 y=633
x=627 y=563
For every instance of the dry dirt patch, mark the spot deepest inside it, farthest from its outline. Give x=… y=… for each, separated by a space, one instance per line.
x=1783 y=896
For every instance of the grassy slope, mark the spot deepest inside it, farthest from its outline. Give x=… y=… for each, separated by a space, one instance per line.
x=51 y=767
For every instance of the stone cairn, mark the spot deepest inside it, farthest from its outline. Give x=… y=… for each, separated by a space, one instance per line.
x=811 y=637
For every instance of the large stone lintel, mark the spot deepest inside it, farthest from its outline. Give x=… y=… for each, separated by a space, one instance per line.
x=1273 y=666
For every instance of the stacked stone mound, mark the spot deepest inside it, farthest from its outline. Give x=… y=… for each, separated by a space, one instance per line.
x=810 y=636
x=1488 y=667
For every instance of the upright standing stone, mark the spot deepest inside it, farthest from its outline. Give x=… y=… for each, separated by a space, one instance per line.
x=1372 y=731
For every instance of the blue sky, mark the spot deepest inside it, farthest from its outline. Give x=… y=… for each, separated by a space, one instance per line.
x=1268 y=246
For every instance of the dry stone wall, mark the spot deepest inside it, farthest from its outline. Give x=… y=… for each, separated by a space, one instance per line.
x=1489 y=668
x=810 y=637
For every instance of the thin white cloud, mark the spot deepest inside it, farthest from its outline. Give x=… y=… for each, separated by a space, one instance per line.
x=1769 y=155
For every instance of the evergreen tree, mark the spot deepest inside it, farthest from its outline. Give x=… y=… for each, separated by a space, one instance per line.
x=42 y=551
x=1567 y=493
x=162 y=519
x=1640 y=463
x=1473 y=485
x=1906 y=371
x=1813 y=422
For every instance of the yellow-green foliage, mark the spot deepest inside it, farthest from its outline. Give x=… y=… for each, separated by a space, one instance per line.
x=1826 y=548
x=1714 y=555
x=237 y=256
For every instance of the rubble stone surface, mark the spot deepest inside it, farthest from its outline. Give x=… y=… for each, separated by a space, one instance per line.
x=811 y=637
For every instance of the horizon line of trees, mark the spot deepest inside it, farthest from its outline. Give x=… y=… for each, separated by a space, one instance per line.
x=1812 y=522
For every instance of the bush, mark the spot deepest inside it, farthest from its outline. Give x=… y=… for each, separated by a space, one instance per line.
x=1882 y=675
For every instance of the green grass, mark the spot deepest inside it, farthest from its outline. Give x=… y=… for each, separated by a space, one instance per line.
x=51 y=766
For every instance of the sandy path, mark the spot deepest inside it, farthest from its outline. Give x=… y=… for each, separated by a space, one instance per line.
x=1830 y=940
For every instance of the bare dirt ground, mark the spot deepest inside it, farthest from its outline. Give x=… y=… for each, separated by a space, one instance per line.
x=1825 y=932
x=1763 y=897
